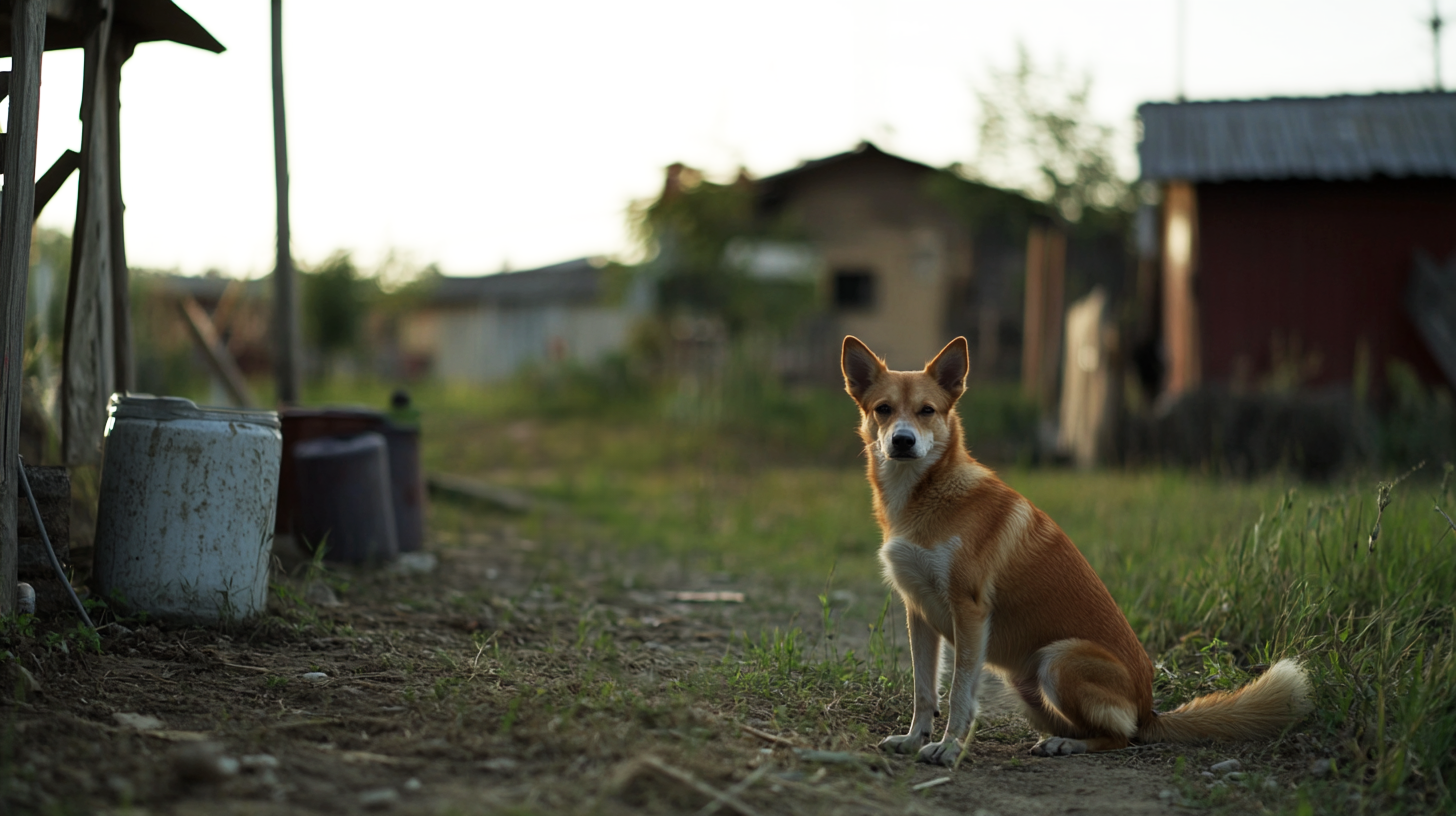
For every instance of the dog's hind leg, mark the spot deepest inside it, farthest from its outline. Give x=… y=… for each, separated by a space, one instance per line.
x=1088 y=697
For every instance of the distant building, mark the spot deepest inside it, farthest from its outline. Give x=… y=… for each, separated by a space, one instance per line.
x=1289 y=231
x=486 y=328
x=901 y=268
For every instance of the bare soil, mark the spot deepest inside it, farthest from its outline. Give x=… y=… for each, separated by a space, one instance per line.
x=501 y=681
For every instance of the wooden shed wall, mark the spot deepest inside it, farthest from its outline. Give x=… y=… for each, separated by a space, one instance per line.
x=1319 y=266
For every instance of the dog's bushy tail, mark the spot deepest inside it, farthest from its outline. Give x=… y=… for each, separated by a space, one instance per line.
x=1274 y=701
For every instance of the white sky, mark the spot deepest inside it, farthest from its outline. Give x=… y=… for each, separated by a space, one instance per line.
x=475 y=134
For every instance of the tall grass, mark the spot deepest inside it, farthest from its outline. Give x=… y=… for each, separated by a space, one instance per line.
x=1371 y=616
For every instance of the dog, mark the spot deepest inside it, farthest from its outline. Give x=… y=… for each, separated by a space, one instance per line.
x=982 y=569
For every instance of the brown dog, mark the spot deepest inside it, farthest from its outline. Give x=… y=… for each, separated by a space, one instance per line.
x=978 y=566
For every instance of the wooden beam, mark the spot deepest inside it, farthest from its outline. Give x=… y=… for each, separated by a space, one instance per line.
x=217 y=355
x=1031 y=324
x=285 y=288
x=118 y=51
x=17 y=208
x=89 y=359
x=50 y=183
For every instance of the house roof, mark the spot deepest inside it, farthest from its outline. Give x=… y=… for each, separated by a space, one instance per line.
x=1335 y=138
x=862 y=150
x=567 y=282
x=68 y=23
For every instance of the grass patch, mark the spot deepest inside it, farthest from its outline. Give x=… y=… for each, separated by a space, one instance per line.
x=1216 y=577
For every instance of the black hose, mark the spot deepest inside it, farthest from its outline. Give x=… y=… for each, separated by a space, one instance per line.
x=51 y=551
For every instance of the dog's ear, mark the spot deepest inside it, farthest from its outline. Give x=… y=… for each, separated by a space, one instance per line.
x=860 y=366
x=950 y=366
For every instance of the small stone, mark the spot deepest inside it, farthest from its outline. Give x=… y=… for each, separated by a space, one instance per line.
x=414 y=563
x=1207 y=775
x=1234 y=776
x=1321 y=767
x=379 y=798
x=1271 y=784
x=413 y=784
x=141 y=722
x=315 y=677
x=228 y=766
x=319 y=593
x=258 y=762
x=24 y=599
x=1166 y=794
x=1226 y=766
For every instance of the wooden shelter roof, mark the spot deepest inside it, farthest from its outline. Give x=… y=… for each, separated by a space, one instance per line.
x=1334 y=138
x=68 y=21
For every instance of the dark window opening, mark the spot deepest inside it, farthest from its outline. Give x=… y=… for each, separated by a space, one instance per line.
x=854 y=289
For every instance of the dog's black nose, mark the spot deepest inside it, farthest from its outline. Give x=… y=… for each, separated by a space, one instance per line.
x=902 y=441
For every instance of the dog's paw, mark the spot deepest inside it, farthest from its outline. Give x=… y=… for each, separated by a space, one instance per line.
x=940 y=753
x=903 y=743
x=1059 y=746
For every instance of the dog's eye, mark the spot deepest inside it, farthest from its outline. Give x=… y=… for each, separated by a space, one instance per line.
x=927 y=410
x=882 y=410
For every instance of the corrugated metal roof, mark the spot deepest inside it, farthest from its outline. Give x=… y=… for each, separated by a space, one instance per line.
x=1334 y=138
x=568 y=282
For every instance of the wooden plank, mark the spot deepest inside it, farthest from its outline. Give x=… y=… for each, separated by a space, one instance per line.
x=88 y=367
x=27 y=39
x=50 y=183
x=461 y=487
x=118 y=51
x=1430 y=300
x=1031 y=324
x=217 y=355
x=1180 y=308
x=285 y=291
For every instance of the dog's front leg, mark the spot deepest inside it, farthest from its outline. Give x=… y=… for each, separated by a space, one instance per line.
x=925 y=663
x=971 y=633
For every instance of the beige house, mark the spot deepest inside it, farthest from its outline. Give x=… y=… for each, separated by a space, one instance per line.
x=896 y=265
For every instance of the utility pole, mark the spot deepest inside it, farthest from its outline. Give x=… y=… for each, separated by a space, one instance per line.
x=285 y=288
x=1436 y=22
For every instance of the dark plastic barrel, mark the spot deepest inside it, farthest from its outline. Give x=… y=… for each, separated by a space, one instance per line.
x=406 y=486
x=344 y=501
x=303 y=424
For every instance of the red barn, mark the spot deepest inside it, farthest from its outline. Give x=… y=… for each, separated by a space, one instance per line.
x=1289 y=233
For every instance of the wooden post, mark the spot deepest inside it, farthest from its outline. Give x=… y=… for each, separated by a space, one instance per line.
x=17 y=217
x=1031 y=326
x=87 y=374
x=1041 y=351
x=285 y=289
x=1053 y=317
x=118 y=51
x=1180 y=308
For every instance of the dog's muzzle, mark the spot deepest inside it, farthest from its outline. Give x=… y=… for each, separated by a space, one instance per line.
x=902 y=446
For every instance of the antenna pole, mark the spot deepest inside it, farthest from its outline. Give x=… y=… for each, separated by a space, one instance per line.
x=1436 y=22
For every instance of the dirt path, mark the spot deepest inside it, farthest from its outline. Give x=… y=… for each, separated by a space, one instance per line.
x=498 y=682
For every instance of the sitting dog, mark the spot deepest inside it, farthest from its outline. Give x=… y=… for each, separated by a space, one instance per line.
x=979 y=567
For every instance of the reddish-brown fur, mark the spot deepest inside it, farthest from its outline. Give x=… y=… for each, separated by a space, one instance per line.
x=979 y=566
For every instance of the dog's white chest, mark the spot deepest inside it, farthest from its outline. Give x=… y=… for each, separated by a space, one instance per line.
x=922 y=576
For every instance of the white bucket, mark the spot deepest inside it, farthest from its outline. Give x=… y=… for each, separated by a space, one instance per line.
x=184 y=525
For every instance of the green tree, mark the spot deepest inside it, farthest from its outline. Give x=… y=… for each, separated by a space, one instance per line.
x=335 y=298
x=1038 y=135
x=686 y=234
